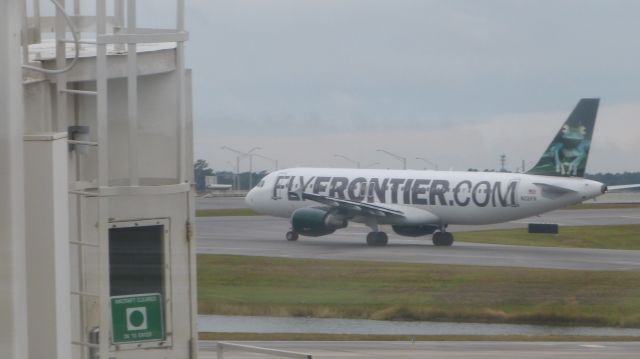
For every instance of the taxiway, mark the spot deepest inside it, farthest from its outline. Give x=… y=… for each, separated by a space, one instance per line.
x=264 y=236
x=450 y=350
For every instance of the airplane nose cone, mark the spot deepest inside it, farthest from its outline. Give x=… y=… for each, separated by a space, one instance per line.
x=248 y=199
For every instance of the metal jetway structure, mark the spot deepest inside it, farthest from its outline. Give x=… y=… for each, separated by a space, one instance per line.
x=110 y=260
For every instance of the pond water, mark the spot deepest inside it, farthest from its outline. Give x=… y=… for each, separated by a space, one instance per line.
x=248 y=324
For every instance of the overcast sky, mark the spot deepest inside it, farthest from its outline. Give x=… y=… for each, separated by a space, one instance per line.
x=455 y=82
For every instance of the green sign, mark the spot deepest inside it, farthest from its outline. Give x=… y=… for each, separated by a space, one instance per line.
x=137 y=318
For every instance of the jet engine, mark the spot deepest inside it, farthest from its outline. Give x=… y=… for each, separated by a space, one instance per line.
x=315 y=221
x=414 y=231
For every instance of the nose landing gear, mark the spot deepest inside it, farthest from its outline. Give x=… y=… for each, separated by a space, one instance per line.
x=292 y=236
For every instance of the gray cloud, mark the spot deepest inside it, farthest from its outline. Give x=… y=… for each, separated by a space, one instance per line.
x=521 y=136
x=315 y=70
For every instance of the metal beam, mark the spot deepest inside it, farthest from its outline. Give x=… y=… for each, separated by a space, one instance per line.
x=47 y=245
x=13 y=307
x=143 y=38
x=132 y=95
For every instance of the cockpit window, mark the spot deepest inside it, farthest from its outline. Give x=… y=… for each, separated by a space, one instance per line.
x=260 y=184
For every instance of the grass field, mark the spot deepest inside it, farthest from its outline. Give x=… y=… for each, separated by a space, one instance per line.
x=239 y=285
x=225 y=212
x=609 y=237
x=592 y=205
x=602 y=237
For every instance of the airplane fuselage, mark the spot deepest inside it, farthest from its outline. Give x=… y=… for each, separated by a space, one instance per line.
x=450 y=197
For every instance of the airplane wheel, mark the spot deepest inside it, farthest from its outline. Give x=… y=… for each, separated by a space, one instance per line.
x=377 y=239
x=442 y=239
x=371 y=239
x=448 y=239
x=436 y=238
x=292 y=236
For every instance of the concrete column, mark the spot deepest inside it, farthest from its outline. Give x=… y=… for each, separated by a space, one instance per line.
x=47 y=232
x=13 y=310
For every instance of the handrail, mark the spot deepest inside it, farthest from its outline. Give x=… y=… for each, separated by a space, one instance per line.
x=250 y=348
x=76 y=38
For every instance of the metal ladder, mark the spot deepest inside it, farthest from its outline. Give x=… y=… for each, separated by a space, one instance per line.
x=129 y=35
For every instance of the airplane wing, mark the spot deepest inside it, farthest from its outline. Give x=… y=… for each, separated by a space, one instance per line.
x=352 y=206
x=386 y=213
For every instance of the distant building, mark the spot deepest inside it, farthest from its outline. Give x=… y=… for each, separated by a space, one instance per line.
x=211 y=183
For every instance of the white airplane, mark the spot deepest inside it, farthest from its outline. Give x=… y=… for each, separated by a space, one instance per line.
x=320 y=201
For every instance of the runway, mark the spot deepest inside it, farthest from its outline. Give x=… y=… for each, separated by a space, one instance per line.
x=264 y=236
x=220 y=202
x=450 y=350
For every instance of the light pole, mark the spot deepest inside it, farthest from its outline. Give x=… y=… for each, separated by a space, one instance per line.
x=241 y=154
x=269 y=159
x=234 y=177
x=400 y=158
x=435 y=165
x=357 y=163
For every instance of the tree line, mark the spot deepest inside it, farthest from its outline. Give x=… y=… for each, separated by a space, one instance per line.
x=613 y=179
x=201 y=169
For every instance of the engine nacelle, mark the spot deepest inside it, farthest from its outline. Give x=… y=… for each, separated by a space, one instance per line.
x=315 y=222
x=414 y=231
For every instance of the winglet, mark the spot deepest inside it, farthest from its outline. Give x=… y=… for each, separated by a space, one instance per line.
x=567 y=154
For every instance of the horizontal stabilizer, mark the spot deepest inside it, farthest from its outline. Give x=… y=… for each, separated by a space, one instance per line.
x=553 y=191
x=622 y=187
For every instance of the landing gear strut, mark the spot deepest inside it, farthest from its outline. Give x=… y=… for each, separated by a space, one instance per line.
x=442 y=239
x=377 y=239
x=292 y=236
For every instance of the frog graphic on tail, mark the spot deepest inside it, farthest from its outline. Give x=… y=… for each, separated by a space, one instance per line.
x=572 y=150
x=567 y=154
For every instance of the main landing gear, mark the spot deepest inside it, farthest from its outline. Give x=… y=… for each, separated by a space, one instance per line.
x=442 y=238
x=377 y=239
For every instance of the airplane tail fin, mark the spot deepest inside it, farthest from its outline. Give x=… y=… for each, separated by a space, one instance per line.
x=567 y=154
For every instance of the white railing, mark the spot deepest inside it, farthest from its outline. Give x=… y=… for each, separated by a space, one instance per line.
x=114 y=30
x=221 y=346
